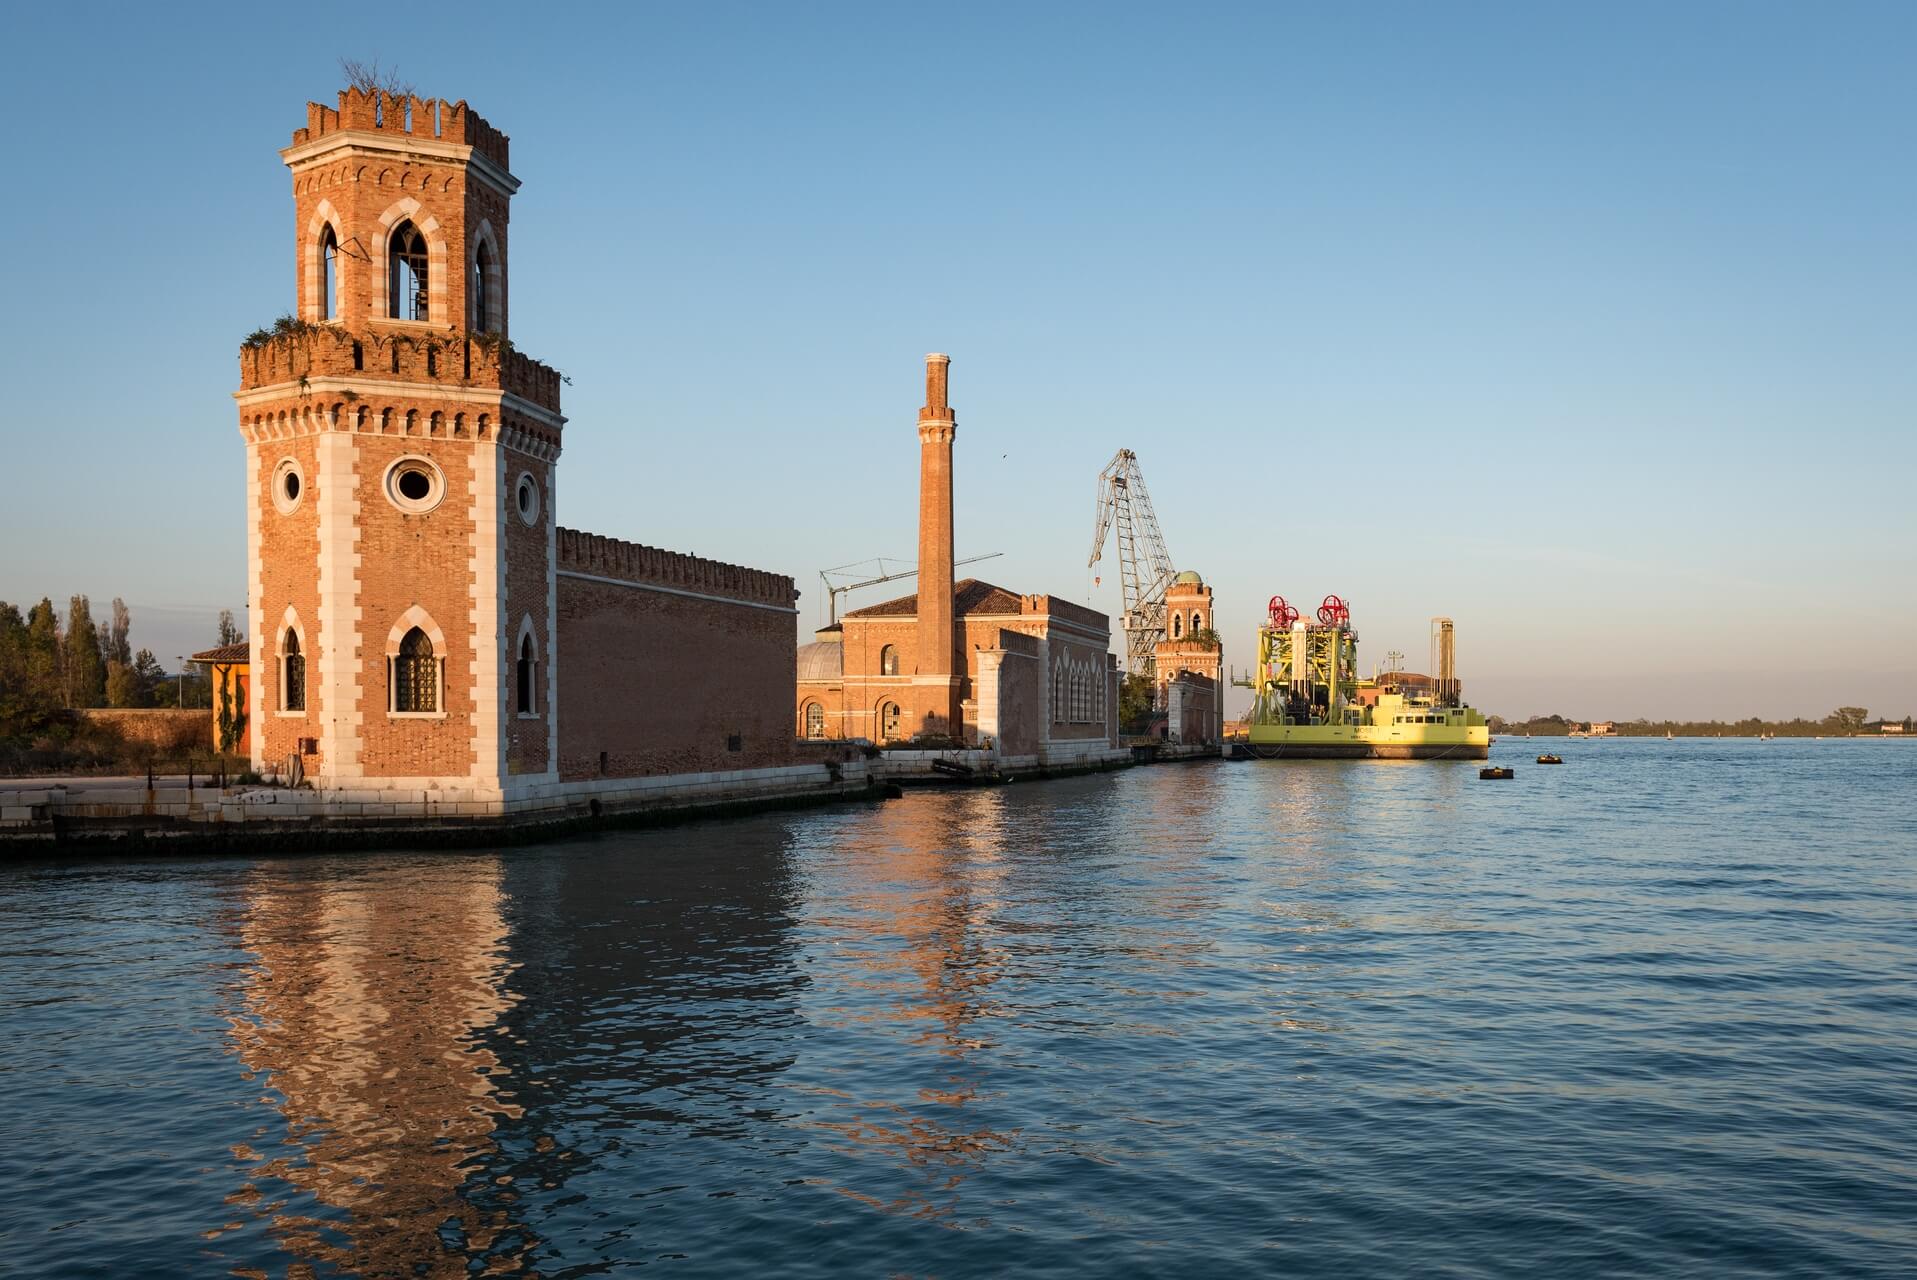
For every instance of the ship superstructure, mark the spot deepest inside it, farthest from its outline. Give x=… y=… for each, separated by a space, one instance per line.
x=1308 y=699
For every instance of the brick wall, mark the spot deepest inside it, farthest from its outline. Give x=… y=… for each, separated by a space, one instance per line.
x=165 y=729
x=663 y=683
x=423 y=561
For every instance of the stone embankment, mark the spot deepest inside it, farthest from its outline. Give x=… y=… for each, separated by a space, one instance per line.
x=46 y=816
x=40 y=817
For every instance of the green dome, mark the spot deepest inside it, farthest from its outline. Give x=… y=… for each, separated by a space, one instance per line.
x=1188 y=578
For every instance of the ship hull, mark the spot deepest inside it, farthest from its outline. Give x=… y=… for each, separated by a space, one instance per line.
x=1365 y=742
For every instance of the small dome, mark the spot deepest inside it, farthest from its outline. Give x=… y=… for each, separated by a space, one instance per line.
x=821 y=660
x=1188 y=579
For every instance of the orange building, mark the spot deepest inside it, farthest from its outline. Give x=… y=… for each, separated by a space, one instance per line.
x=965 y=663
x=231 y=678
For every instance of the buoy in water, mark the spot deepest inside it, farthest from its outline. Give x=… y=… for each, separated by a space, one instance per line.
x=1492 y=774
x=1550 y=759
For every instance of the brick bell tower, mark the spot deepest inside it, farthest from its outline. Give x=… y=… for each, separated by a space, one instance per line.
x=936 y=683
x=400 y=461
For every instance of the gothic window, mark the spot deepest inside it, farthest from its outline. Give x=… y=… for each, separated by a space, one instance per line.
x=482 y=268
x=415 y=674
x=1197 y=621
x=889 y=722
x=1178 y=626
x=406 y=273
x=888 y=661
x=814 y=720
x=329 y=275
x=293 y=681
x=524 y=676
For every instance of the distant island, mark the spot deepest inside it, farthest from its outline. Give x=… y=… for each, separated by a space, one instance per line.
x=1844 y=722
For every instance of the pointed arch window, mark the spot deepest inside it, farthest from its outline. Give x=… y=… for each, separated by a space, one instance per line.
x=1178 y=626
x=415 y=674
x=293 y=675
x=482 y=269
x=329 y=274
x=406 y=273
x=524 y=676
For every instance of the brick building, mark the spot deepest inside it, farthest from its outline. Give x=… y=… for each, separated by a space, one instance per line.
x=418 y=619
x=966 y=662
x=1188 y=664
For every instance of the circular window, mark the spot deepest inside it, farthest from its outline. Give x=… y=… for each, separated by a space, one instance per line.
x=526 y=498
x=414 y=485
x=289 y=484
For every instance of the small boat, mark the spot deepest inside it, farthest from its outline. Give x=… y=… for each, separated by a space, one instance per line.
x=1550 y=759
x=1667 y=735
x=1495 y=774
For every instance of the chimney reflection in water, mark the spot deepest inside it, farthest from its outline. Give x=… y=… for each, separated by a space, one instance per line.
x=921 y=894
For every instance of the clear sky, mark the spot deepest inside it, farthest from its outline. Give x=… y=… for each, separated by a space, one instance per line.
x=1592 y=327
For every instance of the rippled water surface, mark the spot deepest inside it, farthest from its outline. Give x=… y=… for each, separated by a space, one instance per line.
x=1652 y=1012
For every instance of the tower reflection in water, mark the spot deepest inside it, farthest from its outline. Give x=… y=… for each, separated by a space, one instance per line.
x=912 y=935
x=365 y=1019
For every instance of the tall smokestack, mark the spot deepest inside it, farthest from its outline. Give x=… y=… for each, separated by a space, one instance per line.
x=936 y=682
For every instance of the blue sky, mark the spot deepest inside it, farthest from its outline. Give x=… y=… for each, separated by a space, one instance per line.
x=1591 y=328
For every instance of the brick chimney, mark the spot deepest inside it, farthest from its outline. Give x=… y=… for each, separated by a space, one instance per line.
x=936 y=682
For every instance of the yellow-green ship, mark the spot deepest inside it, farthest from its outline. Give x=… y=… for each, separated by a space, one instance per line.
x=1308 y=699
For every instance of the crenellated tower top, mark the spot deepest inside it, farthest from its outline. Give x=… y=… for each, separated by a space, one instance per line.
x=408 y=117
x=400 y=208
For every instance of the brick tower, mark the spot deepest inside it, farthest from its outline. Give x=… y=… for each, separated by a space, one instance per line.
x=399 y=462
x=936 y=684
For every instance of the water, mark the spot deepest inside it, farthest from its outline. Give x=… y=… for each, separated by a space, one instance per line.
x=1652 y=1012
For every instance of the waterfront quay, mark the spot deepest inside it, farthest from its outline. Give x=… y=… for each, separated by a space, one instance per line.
x=79 y=815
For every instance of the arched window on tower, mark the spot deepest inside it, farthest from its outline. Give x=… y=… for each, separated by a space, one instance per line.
x=888 y=661
x=415 y=674
x=524 y=676
x=293 y=676
x=1178 y=626
x=482 y=268
x=329 y=275
x=814 y=720
x=406 y=273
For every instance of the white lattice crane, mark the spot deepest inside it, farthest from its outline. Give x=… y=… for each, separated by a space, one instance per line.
x=1144 y=566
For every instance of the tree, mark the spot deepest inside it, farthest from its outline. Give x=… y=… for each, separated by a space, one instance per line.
x=370 y=77
x=123 y=687
x=15 y=699
x=148 y=668
x=1134 y=703
x=113 y=645
x=85 y=672
x=43 y=657
x=229 y=632
x=1847 y=719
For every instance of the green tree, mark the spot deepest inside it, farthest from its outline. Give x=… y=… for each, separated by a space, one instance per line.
x=43 y=655
x=151 y=674
x=123 y=686
x=14 y=697
x=1847 y=719
x=85 y=671
x=1134 y=703
x=113 y=642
